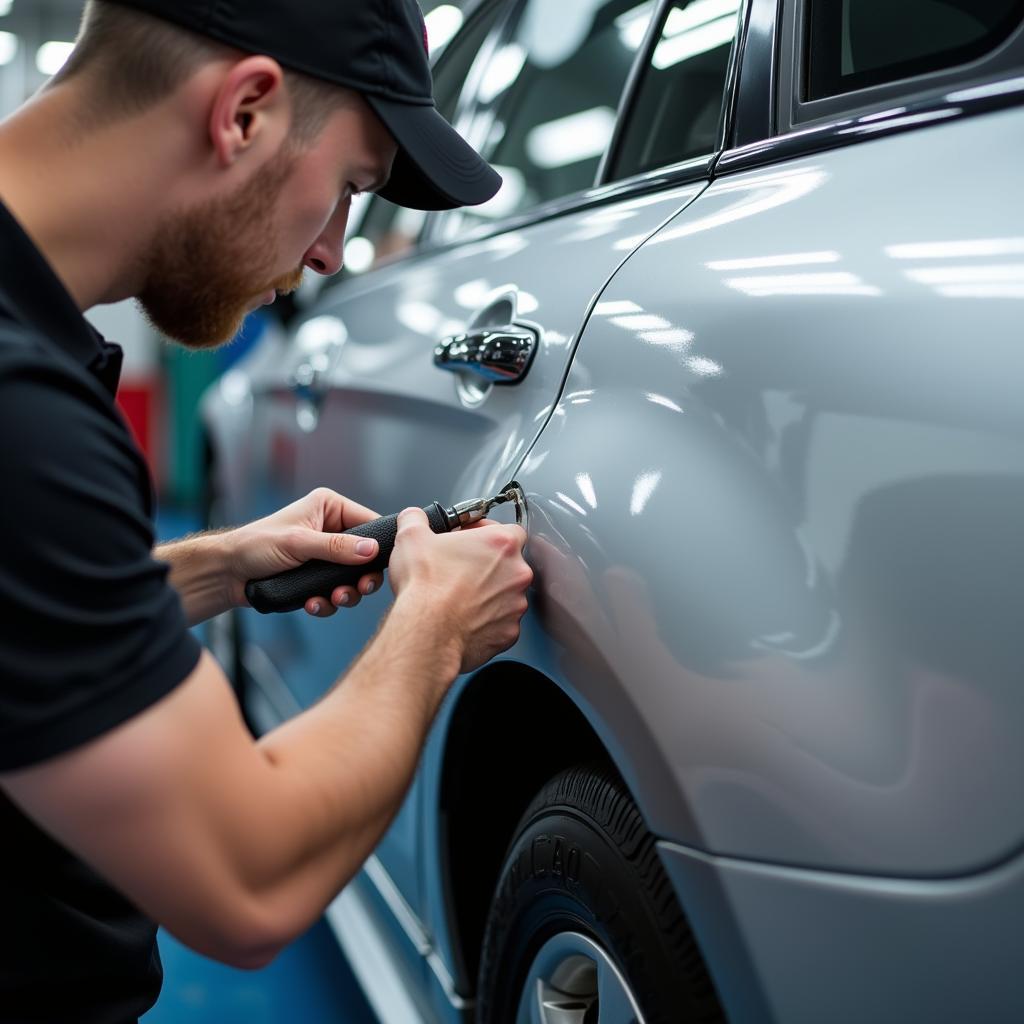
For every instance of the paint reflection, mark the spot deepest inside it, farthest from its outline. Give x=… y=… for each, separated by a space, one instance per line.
x=965 y=280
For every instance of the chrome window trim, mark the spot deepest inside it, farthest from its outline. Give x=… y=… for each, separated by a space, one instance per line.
x=969 y=99
x=792 y=112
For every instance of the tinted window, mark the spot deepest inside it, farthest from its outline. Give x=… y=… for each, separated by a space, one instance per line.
x=856 y=43
x=548 y=100
x=679 y=104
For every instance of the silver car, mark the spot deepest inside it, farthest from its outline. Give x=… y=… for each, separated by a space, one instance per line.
x=759 y=753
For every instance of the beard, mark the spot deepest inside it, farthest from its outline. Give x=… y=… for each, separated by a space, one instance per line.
x=209 y=264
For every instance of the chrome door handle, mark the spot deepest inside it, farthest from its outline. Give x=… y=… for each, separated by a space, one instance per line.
x=499 y=354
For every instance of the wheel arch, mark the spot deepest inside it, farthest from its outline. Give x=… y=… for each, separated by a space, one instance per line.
x=487 y=781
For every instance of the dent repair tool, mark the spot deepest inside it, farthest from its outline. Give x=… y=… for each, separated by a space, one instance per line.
x=289 y=590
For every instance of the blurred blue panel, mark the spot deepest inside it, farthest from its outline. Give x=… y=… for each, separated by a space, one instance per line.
x=307 y=984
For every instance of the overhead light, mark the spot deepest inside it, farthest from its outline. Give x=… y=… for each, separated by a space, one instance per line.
x=632 y=26
x=795 y=259
x=8 y=47
x=360 y=253
x=52 y=56
x=700 y=12
x=5 y=7
x=616 y=307
x=567 y=140
x=442 y=23
x=961 y=248
x=502 y=71
x=673 y=49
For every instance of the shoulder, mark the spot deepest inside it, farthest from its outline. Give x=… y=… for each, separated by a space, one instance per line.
x=52 y=409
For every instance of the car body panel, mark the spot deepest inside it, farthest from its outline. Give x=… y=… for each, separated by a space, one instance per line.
x=796 y=551
x=389 y=428
x=785 y=944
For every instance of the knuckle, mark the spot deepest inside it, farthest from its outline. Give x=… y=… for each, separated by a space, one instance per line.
x=407 y=519
x=510 y=542
x=341 y=545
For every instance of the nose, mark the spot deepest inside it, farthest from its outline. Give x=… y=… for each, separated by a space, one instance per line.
x=326 y=254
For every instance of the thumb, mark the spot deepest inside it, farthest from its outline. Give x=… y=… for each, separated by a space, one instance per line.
x=411 y=520
x=333 y=547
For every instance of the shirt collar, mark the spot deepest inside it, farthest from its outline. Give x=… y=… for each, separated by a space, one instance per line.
x=36 y=297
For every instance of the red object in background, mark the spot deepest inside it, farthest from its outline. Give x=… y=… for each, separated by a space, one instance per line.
x=139 y=401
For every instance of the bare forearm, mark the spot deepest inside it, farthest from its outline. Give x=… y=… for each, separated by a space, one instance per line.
x=199 y=573
x=344 y=766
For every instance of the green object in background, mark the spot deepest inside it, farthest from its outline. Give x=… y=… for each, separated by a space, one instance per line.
x=187 y=375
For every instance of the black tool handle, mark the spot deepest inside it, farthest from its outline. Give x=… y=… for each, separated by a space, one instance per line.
x=290 y=590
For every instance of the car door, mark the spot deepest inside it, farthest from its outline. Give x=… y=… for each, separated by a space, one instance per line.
x=389 y=425
x=833 y=455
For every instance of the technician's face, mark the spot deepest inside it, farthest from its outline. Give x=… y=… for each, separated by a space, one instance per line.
x=212 y=265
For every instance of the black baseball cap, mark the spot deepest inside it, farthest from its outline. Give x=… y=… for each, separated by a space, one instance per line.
x=377 y=48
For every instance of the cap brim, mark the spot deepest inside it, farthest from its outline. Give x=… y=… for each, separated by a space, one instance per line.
x=435 y=168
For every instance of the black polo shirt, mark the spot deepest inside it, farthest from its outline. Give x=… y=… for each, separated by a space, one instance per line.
x=91 y=633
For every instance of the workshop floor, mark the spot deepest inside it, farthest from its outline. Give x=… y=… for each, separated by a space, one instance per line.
x=309 y=983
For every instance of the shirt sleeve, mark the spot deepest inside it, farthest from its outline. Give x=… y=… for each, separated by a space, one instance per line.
x=91 y=632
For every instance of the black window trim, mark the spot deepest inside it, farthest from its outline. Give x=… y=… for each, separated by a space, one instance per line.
x=634 y=82
x=794 y=112
x=968 y=92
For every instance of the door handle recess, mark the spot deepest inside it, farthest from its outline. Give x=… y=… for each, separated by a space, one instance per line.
x=498 y=354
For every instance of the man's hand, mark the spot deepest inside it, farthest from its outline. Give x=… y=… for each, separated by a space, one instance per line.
x=210 y=570
x=475 y=576
x=308 y=528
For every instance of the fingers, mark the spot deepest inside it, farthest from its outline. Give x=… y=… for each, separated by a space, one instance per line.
x=516 y=531
x=319 y=608
x=412 y=521
x=344 y=597
x=343 y=548
x=336 y=512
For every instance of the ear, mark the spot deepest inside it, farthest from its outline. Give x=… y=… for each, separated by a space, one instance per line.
x=249 y=109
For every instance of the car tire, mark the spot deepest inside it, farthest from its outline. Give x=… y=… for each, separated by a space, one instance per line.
x=584 y=925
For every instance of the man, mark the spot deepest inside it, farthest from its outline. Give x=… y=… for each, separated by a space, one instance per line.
x=198 y=154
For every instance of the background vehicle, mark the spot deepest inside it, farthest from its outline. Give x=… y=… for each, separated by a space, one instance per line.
x=758 y=754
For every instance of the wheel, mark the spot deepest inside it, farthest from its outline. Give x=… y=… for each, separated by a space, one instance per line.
x=584 y=927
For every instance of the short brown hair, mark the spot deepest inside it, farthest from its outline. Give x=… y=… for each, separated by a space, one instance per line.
x=137 y=60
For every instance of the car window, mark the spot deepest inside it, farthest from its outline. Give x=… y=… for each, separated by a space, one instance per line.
x=387 y=231
x=547 y=104
x=680 y=98
x=852 y=44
